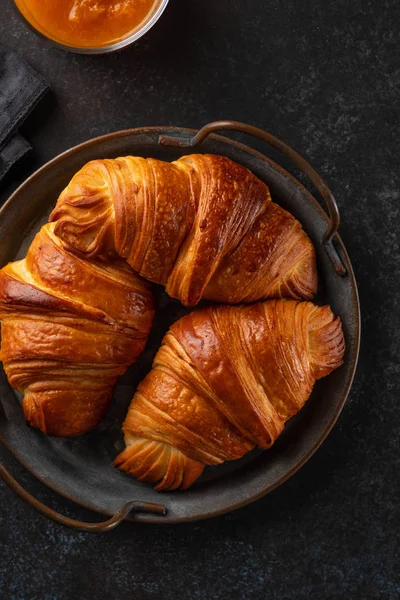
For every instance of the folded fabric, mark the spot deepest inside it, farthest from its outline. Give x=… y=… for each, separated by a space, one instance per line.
x=13 y=151
x=21 y=88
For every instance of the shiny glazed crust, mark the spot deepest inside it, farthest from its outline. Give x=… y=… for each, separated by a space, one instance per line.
x=225 y=380
x=69 y=329
x=203 y=226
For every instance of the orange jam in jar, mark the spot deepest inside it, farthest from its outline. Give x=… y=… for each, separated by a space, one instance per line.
x=87 y=23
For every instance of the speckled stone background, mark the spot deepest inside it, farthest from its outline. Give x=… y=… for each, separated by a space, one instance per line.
x=325 y=77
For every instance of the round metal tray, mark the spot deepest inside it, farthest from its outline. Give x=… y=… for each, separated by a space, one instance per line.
x=81 y=468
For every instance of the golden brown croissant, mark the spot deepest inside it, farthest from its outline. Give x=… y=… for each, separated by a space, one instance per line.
x=69 y=329
x=224 y=381
x=203 y=226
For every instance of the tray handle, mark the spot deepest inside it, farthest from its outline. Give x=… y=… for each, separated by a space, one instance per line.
x=120 y=515
x=303 y=165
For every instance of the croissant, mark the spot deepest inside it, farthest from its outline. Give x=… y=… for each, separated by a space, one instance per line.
x=203 y=226
x=225 y=380
x=70 y=328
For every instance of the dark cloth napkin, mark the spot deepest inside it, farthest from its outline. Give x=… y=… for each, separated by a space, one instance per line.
x=21 y=88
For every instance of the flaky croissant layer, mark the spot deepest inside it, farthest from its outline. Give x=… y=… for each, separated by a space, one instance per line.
x=225 y=380
x=69 y=329
x=203 y=226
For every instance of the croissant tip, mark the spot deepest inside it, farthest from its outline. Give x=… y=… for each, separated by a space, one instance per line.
x=119 y=460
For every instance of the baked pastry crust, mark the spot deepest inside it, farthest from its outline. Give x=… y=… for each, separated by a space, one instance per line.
x=225 y=380
x=203 y=226
x=69 y=329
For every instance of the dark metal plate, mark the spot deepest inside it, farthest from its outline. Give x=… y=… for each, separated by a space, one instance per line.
x=81 y=468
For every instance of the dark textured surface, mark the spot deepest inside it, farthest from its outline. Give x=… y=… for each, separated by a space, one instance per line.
x=325 y=77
